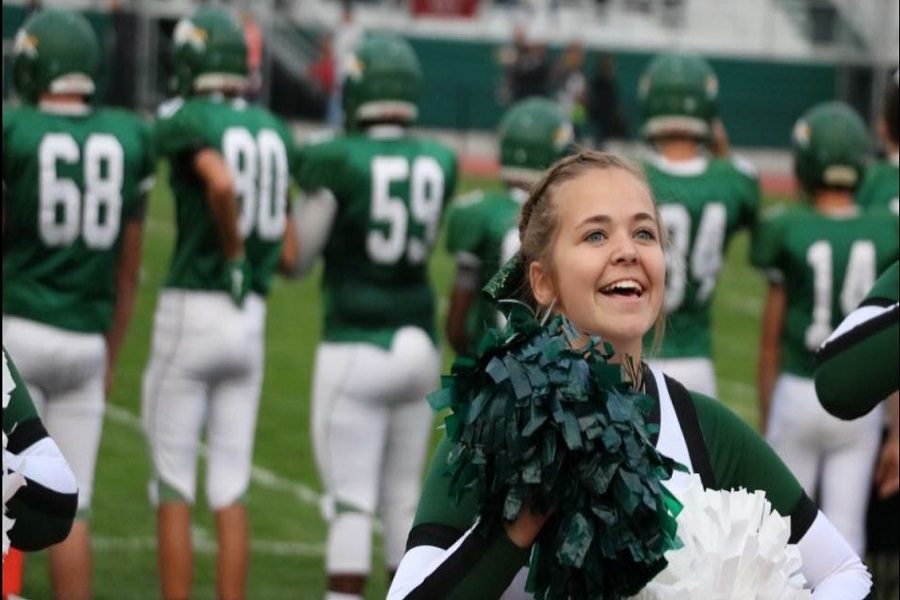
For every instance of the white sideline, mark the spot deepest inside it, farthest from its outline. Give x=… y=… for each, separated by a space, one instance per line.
x=204 y=544
x=259 y=475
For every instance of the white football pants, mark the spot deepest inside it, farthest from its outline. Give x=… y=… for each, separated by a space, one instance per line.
x=371 y=425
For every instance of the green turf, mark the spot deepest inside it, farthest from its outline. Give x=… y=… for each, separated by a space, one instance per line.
x=287 y=531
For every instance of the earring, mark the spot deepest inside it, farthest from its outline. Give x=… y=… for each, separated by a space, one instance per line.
x=547 y=314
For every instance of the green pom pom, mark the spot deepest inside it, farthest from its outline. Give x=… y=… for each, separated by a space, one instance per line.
x=540 y=421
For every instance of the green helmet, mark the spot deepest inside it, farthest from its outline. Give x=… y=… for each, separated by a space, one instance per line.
x=381 y=82
x=55 y=51
x=677 y=95
x=534 y=134
x=831 y=147
x=209 y=53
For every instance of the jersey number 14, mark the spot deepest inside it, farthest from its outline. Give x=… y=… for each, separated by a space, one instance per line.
x=857 y=281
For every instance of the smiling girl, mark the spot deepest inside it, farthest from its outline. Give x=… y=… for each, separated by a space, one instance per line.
x=592 y=251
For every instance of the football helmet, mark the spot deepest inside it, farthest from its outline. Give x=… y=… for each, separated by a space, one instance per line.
x=382 y=82
x=209 y=53
x=533 y=135
x=678 y=95
x=55 y=51
x=831 y=147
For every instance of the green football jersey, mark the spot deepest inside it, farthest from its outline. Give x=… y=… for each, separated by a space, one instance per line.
x=827 y=265
x=261 y=156
x=702 y=208
x=881 y=187
x=72 y=182
x=391 y=194
x=482 y=229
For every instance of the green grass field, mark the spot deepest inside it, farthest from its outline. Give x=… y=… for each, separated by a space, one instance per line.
x=288 y=533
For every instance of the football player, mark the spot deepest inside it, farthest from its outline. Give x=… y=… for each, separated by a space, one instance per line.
x=704 y=199
x=482 y=227
x=75 y=182
x=230 y=168
x=374 y=200
x=821 y=258
x=881 y=186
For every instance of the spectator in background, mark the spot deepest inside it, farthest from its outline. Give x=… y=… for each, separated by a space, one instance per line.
x=571 y=88
x=120 y=42
x=604 y=110
x=324 y=70
x=253 y=38
x=347 y=36
x=526 y=66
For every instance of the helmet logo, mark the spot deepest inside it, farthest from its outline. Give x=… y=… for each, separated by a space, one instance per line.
x=353 y=67
x=186 y=33
x=26 y=44
x=644 y=86
x=690 y=104
x=563 y=136
x=712 y=86
x=802 y=133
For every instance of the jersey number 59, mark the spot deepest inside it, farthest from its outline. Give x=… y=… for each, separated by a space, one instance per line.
x=386 y=246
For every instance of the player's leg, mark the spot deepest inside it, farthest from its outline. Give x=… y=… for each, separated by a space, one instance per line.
x=173 y=412
x=407 y=439
x=847 y=470
x=349 y=424
x=231 y=426
x=696 y=374
x=794 y=427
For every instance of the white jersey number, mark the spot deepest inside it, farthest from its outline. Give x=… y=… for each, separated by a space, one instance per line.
x=426 y=196
x=705 y=258
x=259 y=167
x=858 y=280
x=63 y=210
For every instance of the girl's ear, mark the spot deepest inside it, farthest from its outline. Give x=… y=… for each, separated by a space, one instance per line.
x=541 y=283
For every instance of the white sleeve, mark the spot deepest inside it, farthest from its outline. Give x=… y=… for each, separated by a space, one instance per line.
x=43 y=463
x=417 y=564
x=313 y=217
x=830 y=565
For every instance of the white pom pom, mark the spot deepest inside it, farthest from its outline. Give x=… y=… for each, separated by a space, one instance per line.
x=735 y=548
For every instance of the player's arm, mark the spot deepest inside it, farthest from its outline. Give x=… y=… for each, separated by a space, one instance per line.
x=287 y=262
x=856 y=367
x=127 y=274
x=770 y=349
x=465 y=288
x=887 y=471
x=213 y=171
x=44 y=507
x=313 y=219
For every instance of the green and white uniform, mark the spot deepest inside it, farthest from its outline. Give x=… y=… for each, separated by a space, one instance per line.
x=447 y=556
x=44 y=507
x=881 y=186
x=703 y=203
x=382 y=194
x=482 y=234
x=206 y=364
x=857 y=365
x=72 y=182
x=74 y=179
x=826 y=265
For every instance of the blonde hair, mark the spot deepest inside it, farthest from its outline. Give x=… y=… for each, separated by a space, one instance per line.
x=539 y=219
